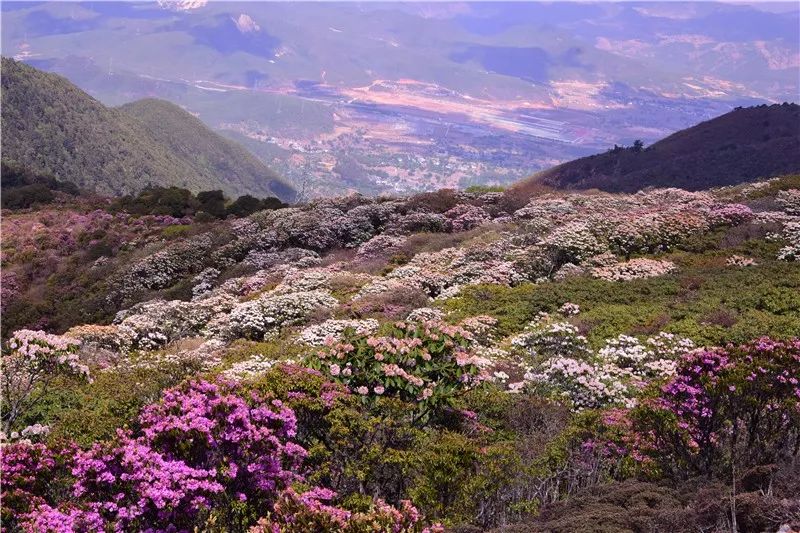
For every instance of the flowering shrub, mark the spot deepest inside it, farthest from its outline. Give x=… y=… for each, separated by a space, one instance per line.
x=246 y=442
x=742 y=398
x=427 y=364
x=725 y=407
x=466 y=217
x=318 y=334
x=561 y=362
x=309 y=511
x=634 y=269
x=381 y=245
x=208 y=453
x=264 y=316
x=443 y=274
x=740 y=261
x=165 y=267
x=573 y=242
x=789 y=201
x=35 y=359
x=791 y=235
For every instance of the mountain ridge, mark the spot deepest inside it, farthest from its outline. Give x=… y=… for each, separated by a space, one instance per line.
x=740 y=146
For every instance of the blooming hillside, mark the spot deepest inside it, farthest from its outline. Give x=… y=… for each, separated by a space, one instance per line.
x=449 y=360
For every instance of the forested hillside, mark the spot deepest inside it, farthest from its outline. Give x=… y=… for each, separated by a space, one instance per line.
x=52 y=127
x=744 y=145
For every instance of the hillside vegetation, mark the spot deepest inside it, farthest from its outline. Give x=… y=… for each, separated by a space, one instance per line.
x=52 y=127
x=579 y=362
x=741 y=146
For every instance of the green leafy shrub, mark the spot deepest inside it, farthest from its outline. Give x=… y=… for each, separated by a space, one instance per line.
x=425 y=364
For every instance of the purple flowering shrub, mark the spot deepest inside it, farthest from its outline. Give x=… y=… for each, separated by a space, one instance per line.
x=130 y=485
x=32 y=475
x=425 y=364
x=247 y=442
x=208 y=453
x=73 y=250
x=737 y=406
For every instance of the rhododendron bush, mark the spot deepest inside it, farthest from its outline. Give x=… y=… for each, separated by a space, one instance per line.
x=34 y=361
x=310 y=511
x=737 y=405
x=206 y=453
x=426 y=363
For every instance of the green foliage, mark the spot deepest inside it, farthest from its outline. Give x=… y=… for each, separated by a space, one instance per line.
x=93 y=412
x=482 y=189
x=212 y=202
x=247 y=205
x=759 y=300
x=180 y=202
x=23 y=188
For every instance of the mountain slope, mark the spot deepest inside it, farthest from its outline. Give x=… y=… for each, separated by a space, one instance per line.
x=187 y=137
x=740 y=146
x=51 y=126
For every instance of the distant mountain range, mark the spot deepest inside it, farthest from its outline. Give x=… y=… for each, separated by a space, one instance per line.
x=50 y=126
x=743 y=145
x=402 y=97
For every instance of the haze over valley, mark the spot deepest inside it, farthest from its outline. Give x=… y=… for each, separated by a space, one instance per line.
x=383 y=97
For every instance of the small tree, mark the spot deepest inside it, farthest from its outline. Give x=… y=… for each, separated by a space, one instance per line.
x=212 y=202
x=35 y=359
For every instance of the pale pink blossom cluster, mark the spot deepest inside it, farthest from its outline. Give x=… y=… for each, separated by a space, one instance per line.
x=634 y=269
x=318 y=334
x=740 y=261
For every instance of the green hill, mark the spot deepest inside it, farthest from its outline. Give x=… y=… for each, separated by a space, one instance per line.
x=743 y=145
x=51 y=126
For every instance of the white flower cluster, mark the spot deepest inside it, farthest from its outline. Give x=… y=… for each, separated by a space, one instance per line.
x=425 y=314
x=465 y=217
x=152 y=324
x=569 y=309
x=381 y=245
x=584 y=385
x=204 y=281
x=318 y=334
x=740 y=261
x=546 y=337
x=27 y=435
x=163 y=268
x=655 y=359
x=253 y=367
x=634 y=269
x=442 y=274
x=264 y=316
x=298 y=257
x=561 y=362
x=789 y=201
x=790 y=234
x=575 y=240
x=304 y=280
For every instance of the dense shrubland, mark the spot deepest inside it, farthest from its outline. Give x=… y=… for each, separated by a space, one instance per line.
x=453 y=360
